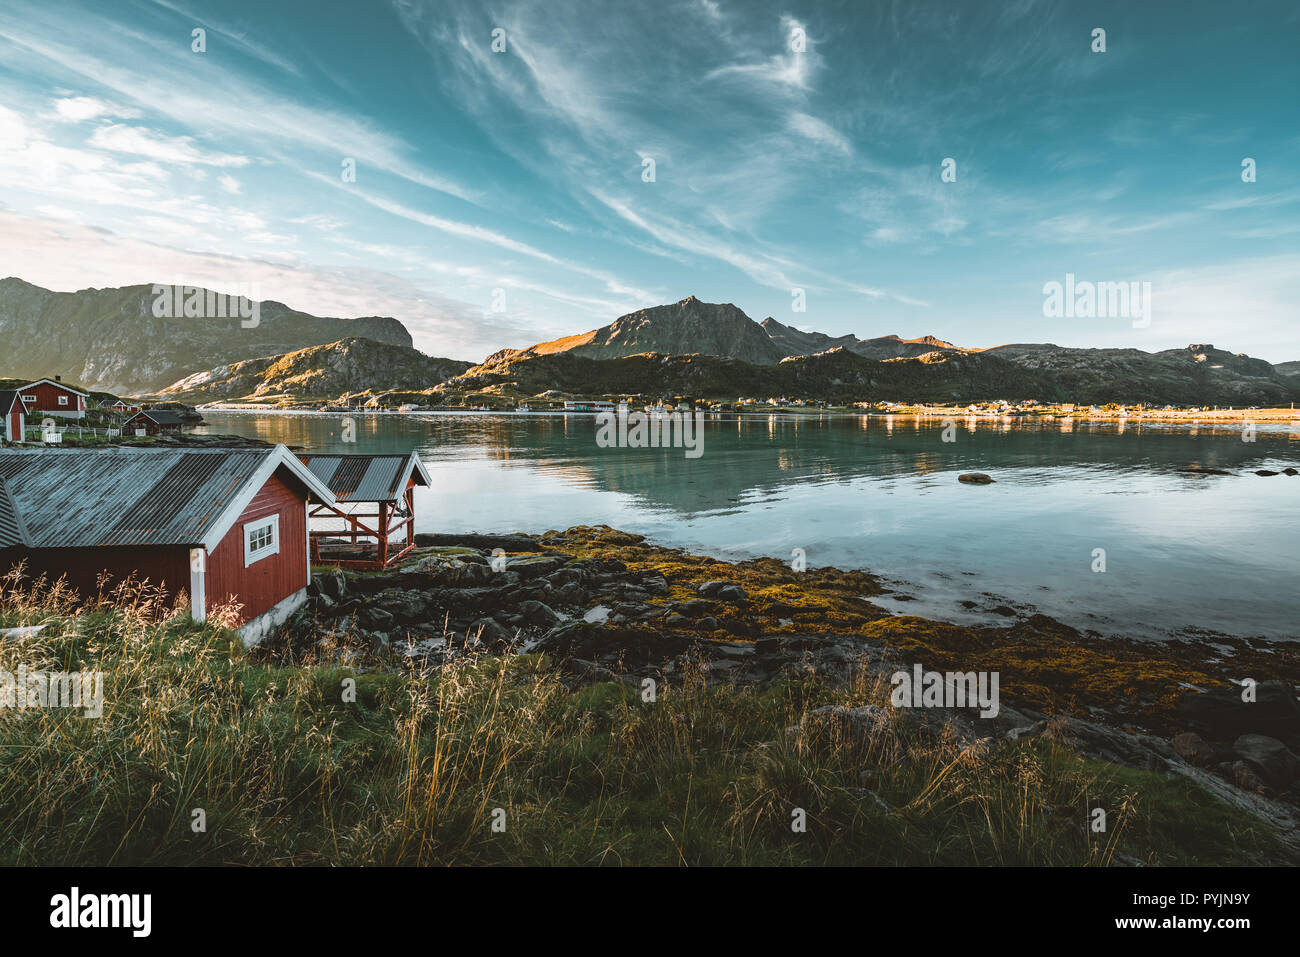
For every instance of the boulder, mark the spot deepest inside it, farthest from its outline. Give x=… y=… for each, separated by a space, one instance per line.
x=655 y=584
x=975 y=478
x=694 y=608
x=331 y=583
x=1223 y=714
x=633 y=609
x=453 y=573
x=460 y=552
x=490 y=633
x=537 y=613
x=408 y=606
x=1191 y=747
x=1242 y=775
x=1270 y=758
x=534 y=566
x=509 y=543
x=723 y=591
x=565 y=576
x=375 y=619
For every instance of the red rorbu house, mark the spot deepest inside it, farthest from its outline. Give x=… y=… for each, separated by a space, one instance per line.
x=12 y=418
x=222 y=526
x=54 y=397
x=153 y=422
x=371 y=524
x=120 y=407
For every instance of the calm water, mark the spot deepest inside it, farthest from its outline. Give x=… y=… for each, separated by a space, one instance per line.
x=1182 y=551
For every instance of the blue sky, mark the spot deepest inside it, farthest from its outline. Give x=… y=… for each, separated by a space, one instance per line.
x=499 y=196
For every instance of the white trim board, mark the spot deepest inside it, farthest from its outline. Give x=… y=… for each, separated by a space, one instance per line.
x=198 y=584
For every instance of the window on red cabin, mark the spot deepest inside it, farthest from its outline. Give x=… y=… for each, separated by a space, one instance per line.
x=261 y=538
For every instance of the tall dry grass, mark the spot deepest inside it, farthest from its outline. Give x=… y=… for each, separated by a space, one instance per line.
x=497 y=762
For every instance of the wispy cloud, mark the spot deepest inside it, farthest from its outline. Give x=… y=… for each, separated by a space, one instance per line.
x=791 y=147
x=167 y=149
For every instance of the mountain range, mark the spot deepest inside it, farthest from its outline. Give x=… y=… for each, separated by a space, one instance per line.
x=680 y=342
x=836 y=375
x=109 y=339
x=716 y=329
x=348 y=368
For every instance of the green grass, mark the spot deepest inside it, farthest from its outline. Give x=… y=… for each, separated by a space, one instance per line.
x=412 y=770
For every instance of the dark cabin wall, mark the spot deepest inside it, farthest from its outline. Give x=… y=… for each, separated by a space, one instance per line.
x=168 y=566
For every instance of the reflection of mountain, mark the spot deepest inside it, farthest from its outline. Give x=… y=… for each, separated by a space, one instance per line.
x=766 y=457
x=770 y=457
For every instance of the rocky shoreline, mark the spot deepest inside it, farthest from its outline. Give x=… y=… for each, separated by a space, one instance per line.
x=602 y=605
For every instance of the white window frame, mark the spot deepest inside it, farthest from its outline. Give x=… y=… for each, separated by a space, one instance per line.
x=63 y=400
x=29 y=398
x=256 y=526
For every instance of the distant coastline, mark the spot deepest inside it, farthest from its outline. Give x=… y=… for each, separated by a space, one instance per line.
x=1046 y=413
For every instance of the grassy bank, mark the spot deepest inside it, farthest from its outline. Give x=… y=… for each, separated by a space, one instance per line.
x=412 y=771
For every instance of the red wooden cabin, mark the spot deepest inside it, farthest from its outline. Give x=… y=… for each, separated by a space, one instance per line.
x=120 y=407
x=373 y=523
x=218 y=525
x=153 y=422
x=12 y=417
x=53 y=397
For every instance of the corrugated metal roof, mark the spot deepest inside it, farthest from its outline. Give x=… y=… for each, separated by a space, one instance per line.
x=11 y=523
x=74 y=498
x=366 y=478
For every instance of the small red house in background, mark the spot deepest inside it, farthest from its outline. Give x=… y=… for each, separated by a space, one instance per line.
x=12 y=418
x=153 y=422
x=53 y=397
x=120 y=407
x=219 y=525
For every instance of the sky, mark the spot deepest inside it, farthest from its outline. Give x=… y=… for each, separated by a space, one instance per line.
x=526 y=170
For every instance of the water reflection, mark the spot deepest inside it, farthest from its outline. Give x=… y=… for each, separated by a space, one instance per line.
x=1185 y=549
